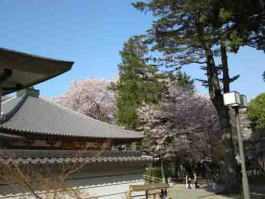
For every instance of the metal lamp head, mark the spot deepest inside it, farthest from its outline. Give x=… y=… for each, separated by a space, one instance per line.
x=232 y=99
x=243 y=101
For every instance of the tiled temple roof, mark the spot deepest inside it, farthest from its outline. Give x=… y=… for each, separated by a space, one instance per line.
x=27 y=115
x=68 y=156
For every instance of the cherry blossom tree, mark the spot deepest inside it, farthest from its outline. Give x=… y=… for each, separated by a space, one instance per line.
x=183 y=126
x=90 y=97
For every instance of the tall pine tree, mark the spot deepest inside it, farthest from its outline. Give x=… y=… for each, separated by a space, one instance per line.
x=138 y=83
x=183 y=33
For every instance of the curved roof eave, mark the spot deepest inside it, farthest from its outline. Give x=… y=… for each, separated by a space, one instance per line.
x=21 y=70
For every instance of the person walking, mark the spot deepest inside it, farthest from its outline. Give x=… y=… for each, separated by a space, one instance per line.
x=196 y=181
x=213 y=183
x=188 y=183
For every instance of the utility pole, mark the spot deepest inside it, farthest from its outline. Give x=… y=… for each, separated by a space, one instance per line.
x=242 y=156
x=236 y=101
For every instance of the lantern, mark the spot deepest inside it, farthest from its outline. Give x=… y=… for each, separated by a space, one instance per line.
x=232 y=99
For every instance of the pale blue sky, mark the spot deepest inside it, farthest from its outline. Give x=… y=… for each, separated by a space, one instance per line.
x=91 y=33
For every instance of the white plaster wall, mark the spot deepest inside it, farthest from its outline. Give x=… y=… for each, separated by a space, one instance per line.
x=113 y=191
x=109 y=181
x=102 y=180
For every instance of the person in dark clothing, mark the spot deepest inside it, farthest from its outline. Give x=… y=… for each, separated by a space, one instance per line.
x=189 y=183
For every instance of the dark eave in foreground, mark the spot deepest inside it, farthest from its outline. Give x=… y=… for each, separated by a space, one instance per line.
x=21 y=70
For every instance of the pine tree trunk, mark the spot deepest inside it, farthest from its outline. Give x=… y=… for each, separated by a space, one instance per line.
x=226 y=77
x=232 y=184
x=231 y=181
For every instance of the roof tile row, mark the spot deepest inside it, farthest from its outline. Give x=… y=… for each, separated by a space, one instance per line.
x=41 y=117
x=58 y=157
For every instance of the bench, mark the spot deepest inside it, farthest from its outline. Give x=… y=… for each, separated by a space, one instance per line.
x=147 y=188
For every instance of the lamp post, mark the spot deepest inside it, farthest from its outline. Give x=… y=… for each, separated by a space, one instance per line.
x=235 y=100
x=163 y=172
x=163 y=177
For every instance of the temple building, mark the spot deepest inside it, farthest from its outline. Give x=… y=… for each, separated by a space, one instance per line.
x=37 y=133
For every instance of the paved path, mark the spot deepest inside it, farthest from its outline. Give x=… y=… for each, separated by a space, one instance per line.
x=180 y=192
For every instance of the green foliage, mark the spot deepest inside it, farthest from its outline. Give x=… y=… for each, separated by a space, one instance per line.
x=174 y=32
x=138 y=83
x=153 y=172
x=224 y=15
x=193 y=32
x=247 y=21
x=263 y=75
x=181 y=79
x=184 y=80
x=256 y=111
